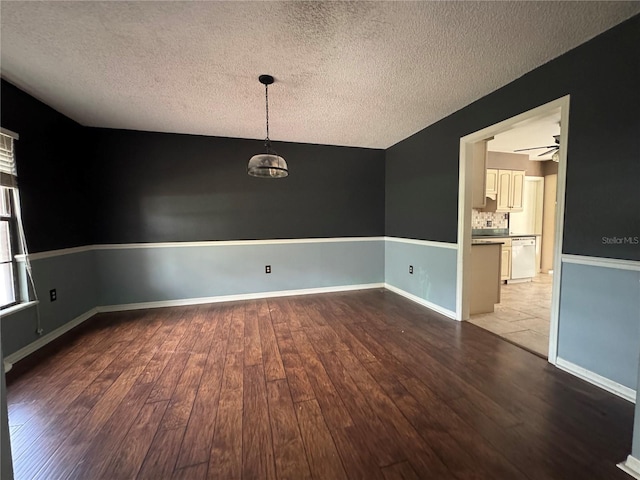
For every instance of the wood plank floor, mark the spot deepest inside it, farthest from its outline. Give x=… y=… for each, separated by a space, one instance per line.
x=357 y=385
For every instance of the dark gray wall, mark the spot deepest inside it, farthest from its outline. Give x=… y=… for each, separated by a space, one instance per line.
x=422 y=185
x=82 y=185
x=602 y=194
x=157 y=187
x=53 y=170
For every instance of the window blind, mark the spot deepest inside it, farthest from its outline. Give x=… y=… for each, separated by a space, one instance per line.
x=8 y=172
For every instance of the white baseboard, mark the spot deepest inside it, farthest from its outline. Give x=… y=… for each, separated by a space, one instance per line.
x=425 y=243
x=597 y=380
x=235 y=298
x=426 y=303
x=631 y=466
x=49 y=337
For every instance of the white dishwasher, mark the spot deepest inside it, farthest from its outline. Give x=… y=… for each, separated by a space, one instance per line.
x=523 y=258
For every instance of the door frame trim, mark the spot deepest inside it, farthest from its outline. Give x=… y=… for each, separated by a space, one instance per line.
x=464 y=211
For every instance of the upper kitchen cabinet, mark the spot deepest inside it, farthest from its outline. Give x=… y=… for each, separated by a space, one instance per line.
x=510 y=191
x=491 y=183
x=478 y=195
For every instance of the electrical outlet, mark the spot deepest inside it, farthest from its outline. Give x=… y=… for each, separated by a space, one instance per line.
x=267 y=269
x=411 y=269
x=53 y=296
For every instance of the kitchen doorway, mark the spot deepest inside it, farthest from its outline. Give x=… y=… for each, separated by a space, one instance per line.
x=523 y=314
x=533 y=301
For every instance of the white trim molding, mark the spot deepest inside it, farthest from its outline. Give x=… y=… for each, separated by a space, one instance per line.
x=213 y=243
x=597 y=380
x=235 y=298
x=49 y=337
x=56 y=253
x=425 y=303
x=631 y=466
x=18 y=307
x=602 y=262
x=427 y=243
x=231 y=243
x=9 y=133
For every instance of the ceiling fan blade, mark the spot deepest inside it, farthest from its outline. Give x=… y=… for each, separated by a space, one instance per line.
x=555 y=149
x=535 y=148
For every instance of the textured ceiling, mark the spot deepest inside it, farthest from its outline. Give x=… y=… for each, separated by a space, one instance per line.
x=363 y=74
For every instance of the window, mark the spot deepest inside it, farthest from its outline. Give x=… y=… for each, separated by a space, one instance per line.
x=9 y=293
x=10 y=238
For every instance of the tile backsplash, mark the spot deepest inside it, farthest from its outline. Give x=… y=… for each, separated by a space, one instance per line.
x=481 y=219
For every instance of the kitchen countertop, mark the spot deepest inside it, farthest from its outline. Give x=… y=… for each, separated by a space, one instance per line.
x=485 y=242
x=506 y=236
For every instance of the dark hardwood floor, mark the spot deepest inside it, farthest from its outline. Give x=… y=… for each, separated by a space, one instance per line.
x=358 y=385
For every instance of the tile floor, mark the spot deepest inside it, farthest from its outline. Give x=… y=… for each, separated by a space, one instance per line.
x=522 y=316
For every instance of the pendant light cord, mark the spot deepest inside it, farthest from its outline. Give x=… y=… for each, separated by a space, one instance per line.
x=267 y=141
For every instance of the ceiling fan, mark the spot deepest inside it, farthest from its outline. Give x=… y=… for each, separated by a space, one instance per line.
x=553 y=149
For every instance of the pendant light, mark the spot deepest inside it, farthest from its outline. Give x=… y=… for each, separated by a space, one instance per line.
x=270 y=164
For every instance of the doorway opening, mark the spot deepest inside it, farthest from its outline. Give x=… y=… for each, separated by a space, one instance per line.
x=514 y=200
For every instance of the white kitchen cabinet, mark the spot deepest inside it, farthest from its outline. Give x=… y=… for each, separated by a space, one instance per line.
x=503 y=201
x=517 y=190
x=505 y=258
x=492 y=183
x=505 y=265
x=510 y=191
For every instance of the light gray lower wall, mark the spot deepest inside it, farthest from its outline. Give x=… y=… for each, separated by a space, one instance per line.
x=73 y=277
x=599 y=323
x=635 y=449
x=137 y=275
x=434 y=271
x=102 y=277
